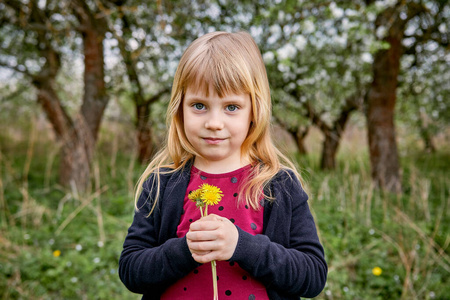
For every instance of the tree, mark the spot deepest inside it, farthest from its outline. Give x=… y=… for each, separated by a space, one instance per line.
x=43 y=29
x=390 y=26
x=134 y=29
x=312 y=54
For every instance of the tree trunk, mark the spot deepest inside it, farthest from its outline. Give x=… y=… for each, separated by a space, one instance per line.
x=74 y=168
x=144 y=134
x=329 y=150
x=429 y=146
x=299 y=136
x=382 y=144
x=425 y=133
x=382 y=95
x=95 y=98
x=333 y=134
x=380 y=111
x=300 y=142
x=78 y=151
x=75 y=138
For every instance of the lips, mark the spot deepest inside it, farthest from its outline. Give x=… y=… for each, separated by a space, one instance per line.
x=212 y=141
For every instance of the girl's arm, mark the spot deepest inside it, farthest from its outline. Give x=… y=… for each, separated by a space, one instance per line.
x=296 y=267
x=151 y=260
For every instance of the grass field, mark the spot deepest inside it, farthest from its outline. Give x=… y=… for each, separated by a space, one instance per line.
x=58 y=244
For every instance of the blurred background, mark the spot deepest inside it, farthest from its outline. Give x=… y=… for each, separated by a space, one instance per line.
x=360 y=101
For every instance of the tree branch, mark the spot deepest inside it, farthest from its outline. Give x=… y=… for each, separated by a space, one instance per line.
x=158 y=95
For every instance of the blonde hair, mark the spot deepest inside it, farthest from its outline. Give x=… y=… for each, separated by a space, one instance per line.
x=230 y=63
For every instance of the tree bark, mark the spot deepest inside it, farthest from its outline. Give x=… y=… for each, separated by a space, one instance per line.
x=299 y=136
x=330 y=147
x=427 y=137
x=144 y=133
x=429 y=146
x=298 y=133
x=74 y=167
x=333 y=133
x=79 y=151
x=382 y=95
x=333 y=136
x=381 y=105
x=95 y=98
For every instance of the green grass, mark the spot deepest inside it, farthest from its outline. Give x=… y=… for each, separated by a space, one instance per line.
x=361 y=228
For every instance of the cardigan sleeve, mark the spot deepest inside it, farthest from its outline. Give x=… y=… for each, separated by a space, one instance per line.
x=150 y=261
x=291 y=266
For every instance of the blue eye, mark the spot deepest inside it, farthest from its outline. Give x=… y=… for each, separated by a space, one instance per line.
x=198 y=106
x=232 y=107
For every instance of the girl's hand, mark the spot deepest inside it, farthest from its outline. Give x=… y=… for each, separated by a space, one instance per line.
x=212 y=238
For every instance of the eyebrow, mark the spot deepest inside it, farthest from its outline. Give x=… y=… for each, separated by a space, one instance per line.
x=194 y=98
x=204 y=99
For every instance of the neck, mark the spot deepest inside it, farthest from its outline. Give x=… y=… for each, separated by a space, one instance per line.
x=219 y=167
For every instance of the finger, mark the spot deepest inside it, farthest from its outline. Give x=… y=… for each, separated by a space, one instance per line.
x=196 y=236
x=203 y=259
x=194 y=248
x=202 y=225
x=211 y=217
x=206 y=246
x=208 y=257
x=200 y=253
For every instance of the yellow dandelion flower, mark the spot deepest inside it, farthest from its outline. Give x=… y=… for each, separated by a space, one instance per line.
x=195 y=195
x=56 y=253
x=211 y=194
x=377 y=271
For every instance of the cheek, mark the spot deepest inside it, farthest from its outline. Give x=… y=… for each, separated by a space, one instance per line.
x=242 y=131
x=190 y=126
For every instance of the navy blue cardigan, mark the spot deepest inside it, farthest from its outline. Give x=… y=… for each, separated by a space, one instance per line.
x=287 y=258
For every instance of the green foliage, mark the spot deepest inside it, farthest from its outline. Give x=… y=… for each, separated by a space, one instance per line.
x=47 y=251
x=360 y=227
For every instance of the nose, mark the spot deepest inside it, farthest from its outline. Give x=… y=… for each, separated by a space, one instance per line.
x=214 y=122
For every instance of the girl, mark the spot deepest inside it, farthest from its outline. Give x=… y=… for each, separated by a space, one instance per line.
x=261 y=233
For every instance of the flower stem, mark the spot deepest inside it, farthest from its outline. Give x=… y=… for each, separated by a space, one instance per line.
x=214 y=274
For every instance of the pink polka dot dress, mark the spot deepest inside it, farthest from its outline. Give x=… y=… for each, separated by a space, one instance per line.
x=233 y=282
